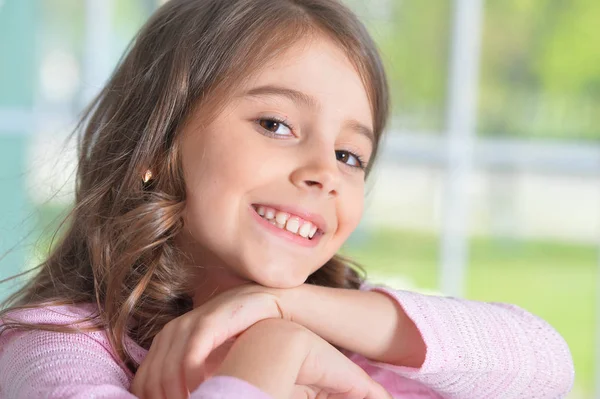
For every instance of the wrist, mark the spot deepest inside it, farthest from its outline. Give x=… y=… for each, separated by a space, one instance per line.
x=407 y=346
x=416 y=349
x=291 y=301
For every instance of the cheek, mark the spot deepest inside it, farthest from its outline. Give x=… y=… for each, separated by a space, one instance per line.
x=201 y=216
x=220 y=169
x=352 y=210
x=206 y=196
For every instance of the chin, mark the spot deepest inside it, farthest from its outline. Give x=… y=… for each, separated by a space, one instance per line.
x=278 y=278
x=279 y=282
x=281 y=285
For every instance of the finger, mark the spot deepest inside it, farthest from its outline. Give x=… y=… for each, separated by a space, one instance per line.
x=305 y=392
x=328 y=369
x=138 y=379
x=202 y=341
x=158 y=375
x=173 y=364
x=140 y=386
x=379 y=392
x=369 y=389
x=363 y=387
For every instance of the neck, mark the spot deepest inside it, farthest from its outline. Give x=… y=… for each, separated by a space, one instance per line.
x=213 y=281
x=210 y=274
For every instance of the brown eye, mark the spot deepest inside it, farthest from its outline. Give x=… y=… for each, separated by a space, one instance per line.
x=343 y=156
x=274 y=127
x=350 y=159
x=269 y=125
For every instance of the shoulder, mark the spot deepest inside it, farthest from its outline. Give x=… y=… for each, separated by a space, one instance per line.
x=52 y=314
x=40 y=363
x=17 y=345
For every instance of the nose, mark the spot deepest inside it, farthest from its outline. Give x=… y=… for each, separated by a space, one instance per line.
x=319 y=173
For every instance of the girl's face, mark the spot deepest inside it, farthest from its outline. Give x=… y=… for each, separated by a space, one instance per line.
x=283 y=159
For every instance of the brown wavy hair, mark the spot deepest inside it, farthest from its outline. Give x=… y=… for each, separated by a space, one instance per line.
x=117 y=249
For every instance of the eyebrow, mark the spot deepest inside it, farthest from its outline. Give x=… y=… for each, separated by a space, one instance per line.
x=307 y=101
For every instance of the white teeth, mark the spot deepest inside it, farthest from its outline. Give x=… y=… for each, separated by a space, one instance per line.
x=269 y=213
x=305 y=230
x=293 y=225
x=282 y=218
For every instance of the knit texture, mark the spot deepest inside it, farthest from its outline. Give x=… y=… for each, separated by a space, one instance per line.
x=474 y=350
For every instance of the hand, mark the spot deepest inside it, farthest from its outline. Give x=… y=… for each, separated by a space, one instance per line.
x=175 y=364
x=286 y=360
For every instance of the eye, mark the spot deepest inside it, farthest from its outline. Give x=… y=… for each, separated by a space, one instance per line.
x=350 y=159
x=275 y=127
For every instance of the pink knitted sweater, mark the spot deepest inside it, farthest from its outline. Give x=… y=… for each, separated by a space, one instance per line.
x=474 y=350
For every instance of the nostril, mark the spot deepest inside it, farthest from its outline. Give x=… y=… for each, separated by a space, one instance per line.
x=311 y=183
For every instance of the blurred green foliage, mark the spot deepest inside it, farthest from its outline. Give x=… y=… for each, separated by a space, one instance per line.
x=541 y=69
x=540 y=66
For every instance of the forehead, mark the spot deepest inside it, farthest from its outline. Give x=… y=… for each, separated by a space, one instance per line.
x=321 y=70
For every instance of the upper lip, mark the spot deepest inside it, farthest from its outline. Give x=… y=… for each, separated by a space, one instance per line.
x=304 y=213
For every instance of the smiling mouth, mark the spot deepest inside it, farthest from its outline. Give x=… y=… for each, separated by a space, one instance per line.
x=289 y=222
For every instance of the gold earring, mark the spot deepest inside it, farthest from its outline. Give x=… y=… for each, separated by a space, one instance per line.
x=147 y=176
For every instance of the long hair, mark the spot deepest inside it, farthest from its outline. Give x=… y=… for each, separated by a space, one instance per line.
x=117 y=250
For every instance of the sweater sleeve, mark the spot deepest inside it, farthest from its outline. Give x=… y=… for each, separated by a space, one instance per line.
x=45 y=364
x=480 y=350
x=225 y=387
x=52 y=365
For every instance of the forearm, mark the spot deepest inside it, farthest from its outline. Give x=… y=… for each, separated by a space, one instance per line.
x=267 y=356
x=368 y=323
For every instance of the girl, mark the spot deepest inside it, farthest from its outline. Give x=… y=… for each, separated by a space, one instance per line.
x=220 y=170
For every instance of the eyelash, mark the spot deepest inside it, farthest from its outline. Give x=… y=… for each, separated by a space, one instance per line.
x=361 y=162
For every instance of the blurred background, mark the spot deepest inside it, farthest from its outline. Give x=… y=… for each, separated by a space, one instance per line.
x=488 y=186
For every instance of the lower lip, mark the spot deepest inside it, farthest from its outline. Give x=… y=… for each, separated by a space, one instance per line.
x=283 y=233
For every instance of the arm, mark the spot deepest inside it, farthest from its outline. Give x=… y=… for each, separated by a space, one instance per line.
x=472 y=349
x=268 y=355
x=365 y=322
x=287 y=360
